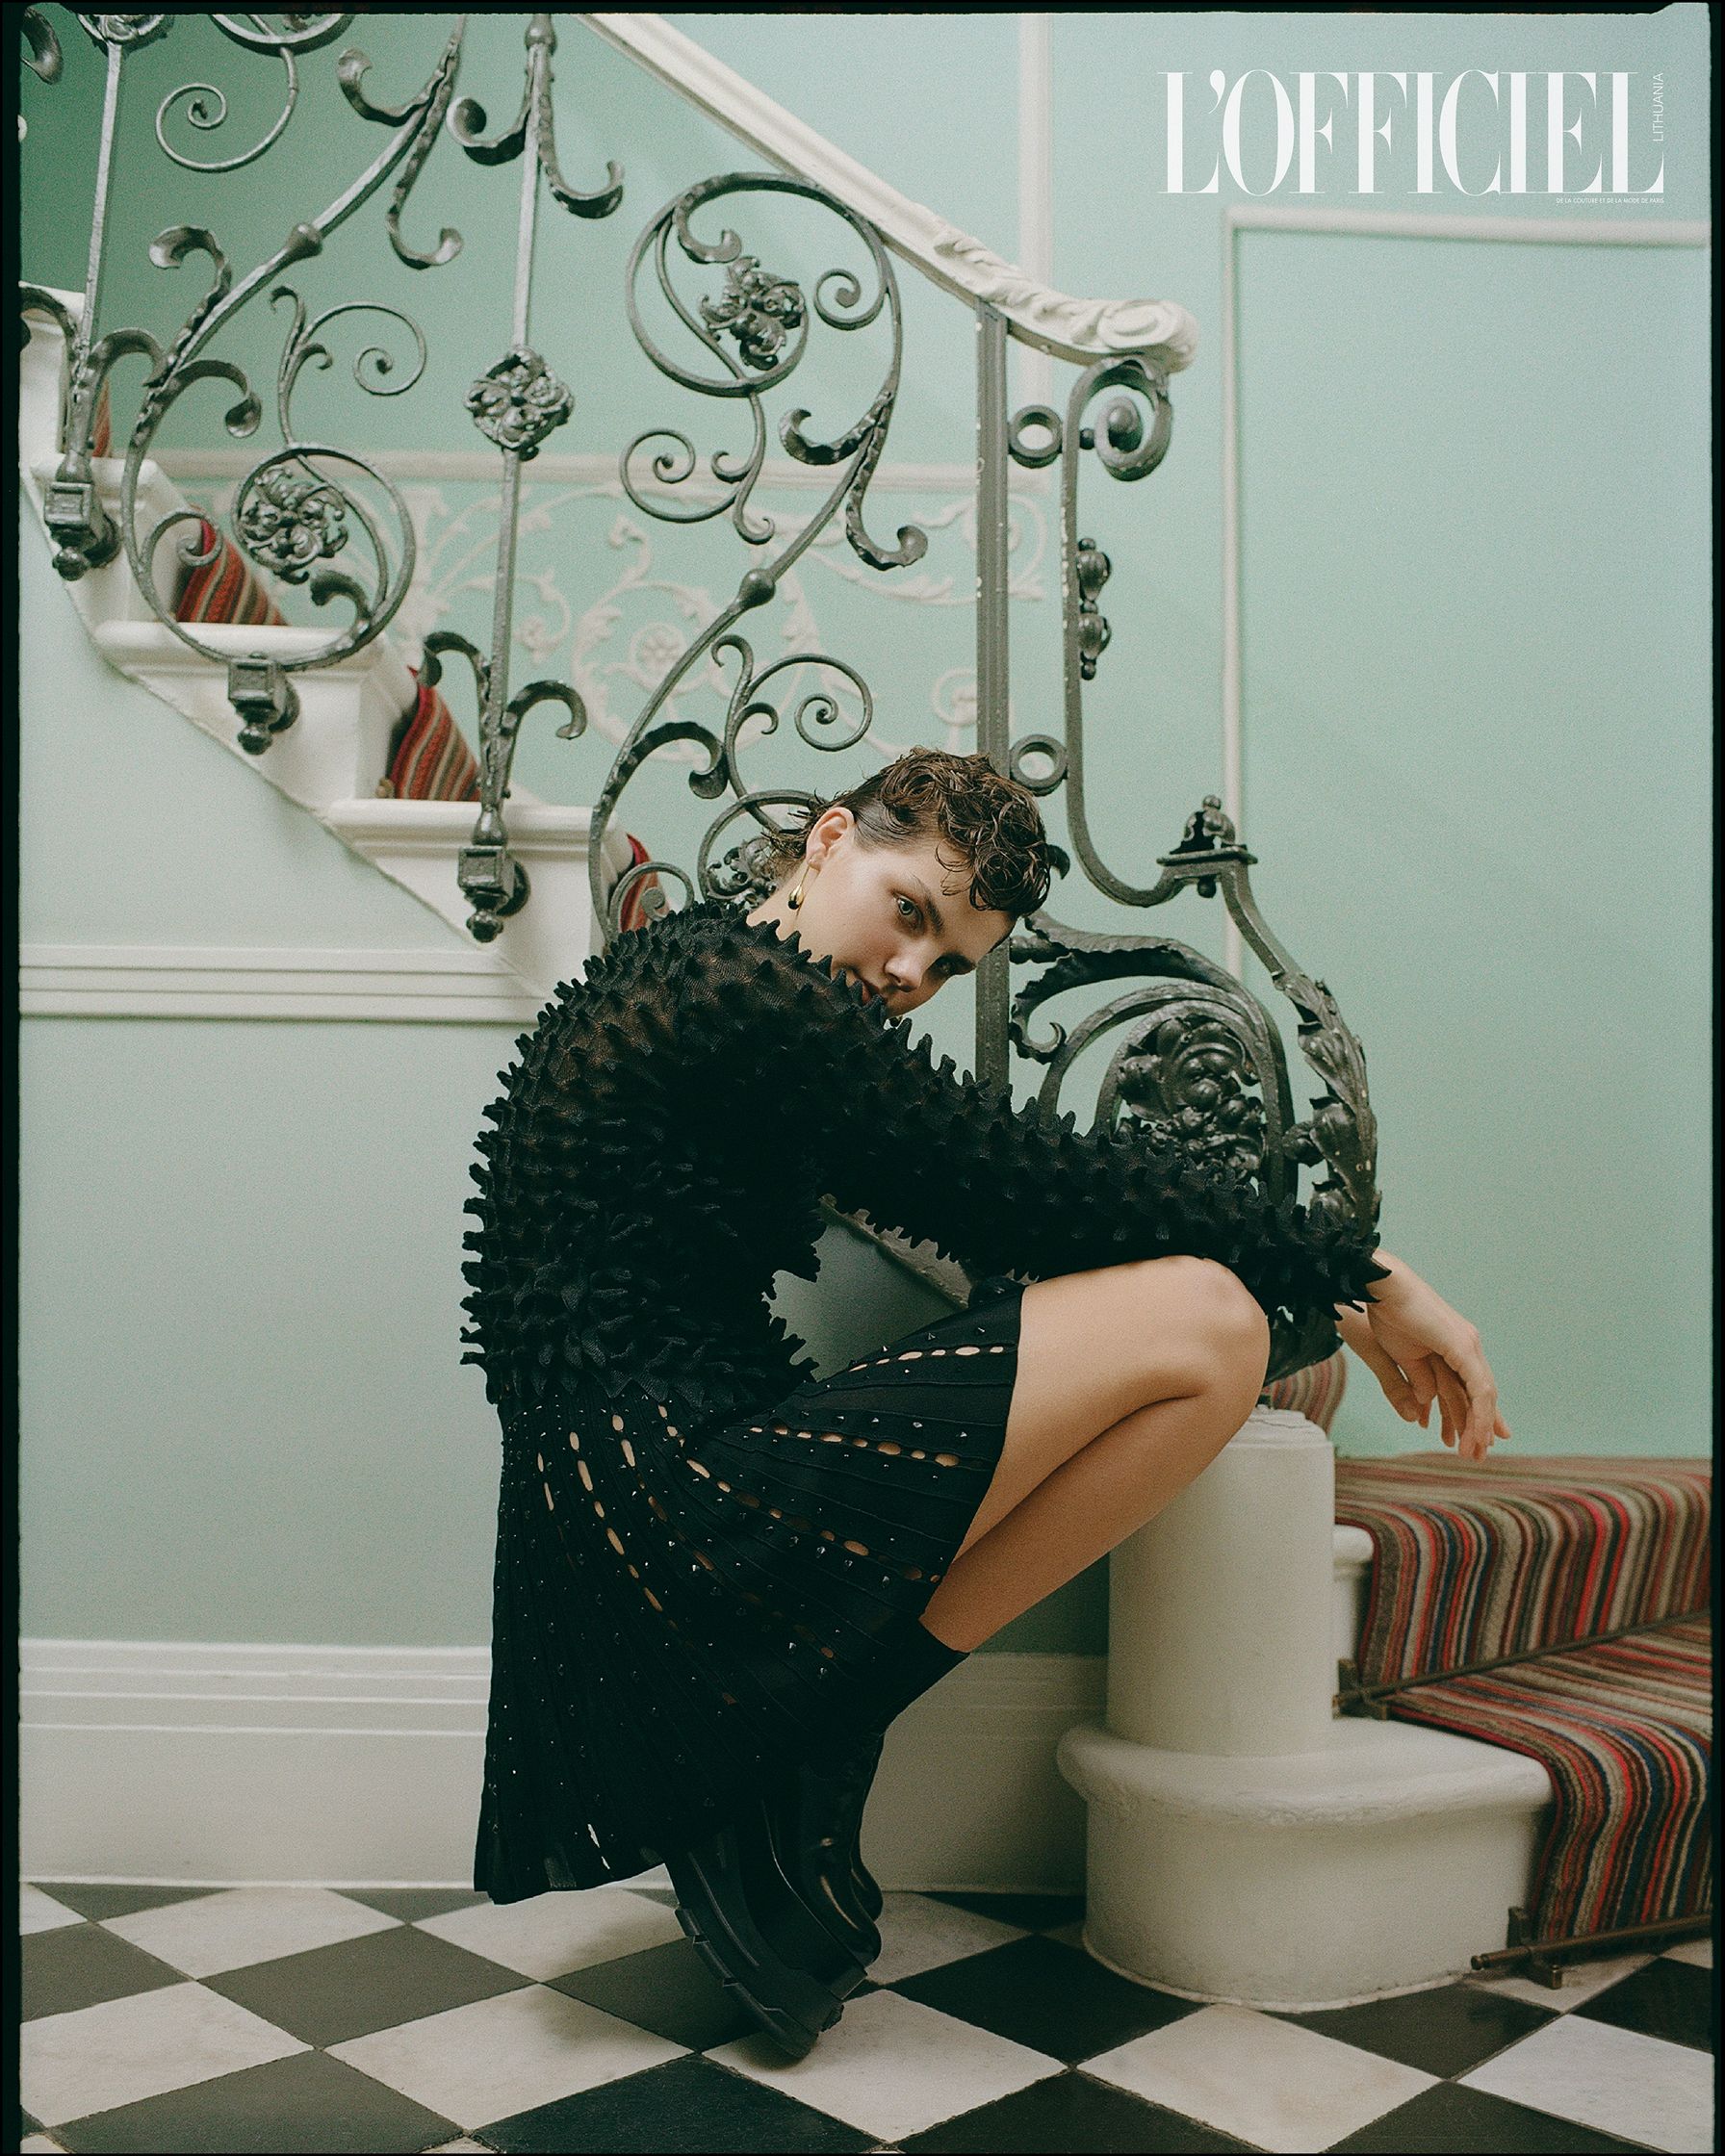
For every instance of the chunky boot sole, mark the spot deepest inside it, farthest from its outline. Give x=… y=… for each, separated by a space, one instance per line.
x=787 y=2030
x=743 y=1918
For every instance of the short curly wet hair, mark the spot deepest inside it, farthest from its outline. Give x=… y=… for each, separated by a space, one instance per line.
x=991 y=822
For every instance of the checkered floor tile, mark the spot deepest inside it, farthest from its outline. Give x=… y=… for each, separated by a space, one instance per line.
x=298 y=2018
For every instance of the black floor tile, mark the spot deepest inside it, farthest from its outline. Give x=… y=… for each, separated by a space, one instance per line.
x=82 y=1964
x=1443 y=2032
x=1052 y=1998
x=309 y=2105
x=1669 y=2000
x=1451 y=2120
x=666 y=1988
x=1031 y=1913
x=329 y=1994
x=686 y=2105
x=413 y=1904
x=121 y=1901
x=1067 y=2113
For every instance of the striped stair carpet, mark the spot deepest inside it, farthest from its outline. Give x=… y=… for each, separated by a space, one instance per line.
x=1584 y=1581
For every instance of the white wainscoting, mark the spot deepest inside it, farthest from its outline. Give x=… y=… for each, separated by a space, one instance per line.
x=193 y=1765
x=149 y=981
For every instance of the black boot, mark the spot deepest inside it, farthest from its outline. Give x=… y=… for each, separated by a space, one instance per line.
x=816 y=1816
x=754 y=1935
x=860 y=1774
x=818 y=1824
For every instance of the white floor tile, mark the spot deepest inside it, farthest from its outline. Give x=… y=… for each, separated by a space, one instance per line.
x=1580 y=1982
x=499 y=2056
x=548 y=1934
x=38 y=2144
x=1070 y=1934
x=1697 y=1951
x=1268 y=2082
x=41 y=1913
x=127 y=2050
x=1640 y=2088
x=460 y=2147
x=918 y=1934
x=247 y=1924
x=894 y=2067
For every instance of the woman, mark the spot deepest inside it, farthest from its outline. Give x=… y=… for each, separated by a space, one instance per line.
x=718 y=1579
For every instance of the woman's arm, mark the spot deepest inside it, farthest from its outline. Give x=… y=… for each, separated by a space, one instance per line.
x=806 y=1063
x=1421 y=1349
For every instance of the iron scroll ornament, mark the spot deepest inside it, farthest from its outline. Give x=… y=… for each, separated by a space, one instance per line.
x=1129 y=441
x=1202 y=1064
x=747 y=339
x=298 y=507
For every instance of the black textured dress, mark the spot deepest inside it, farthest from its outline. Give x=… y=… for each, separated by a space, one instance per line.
x=702 y=1550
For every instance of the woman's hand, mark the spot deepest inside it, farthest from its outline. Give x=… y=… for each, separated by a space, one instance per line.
x=1421 y=1351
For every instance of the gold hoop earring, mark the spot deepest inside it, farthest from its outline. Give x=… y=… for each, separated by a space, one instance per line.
x=796 y=897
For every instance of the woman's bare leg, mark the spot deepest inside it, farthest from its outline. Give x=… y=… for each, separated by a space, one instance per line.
x=1183 y=1344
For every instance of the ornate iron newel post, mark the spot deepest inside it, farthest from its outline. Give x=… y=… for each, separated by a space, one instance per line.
x=723 y=318
x=1201 y=1062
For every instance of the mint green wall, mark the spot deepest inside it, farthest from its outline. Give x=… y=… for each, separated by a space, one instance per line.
x=242 y=1413
x=1482 y=785
x=1476 y=572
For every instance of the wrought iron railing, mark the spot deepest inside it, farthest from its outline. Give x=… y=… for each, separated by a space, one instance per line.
x=1198 y=1056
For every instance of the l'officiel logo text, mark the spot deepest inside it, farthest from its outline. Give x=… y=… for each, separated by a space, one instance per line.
x=1511 y=133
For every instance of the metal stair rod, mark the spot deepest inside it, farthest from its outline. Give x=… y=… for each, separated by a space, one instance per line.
x=1364 y=1697
x=1627 y=1935
x=992 y=650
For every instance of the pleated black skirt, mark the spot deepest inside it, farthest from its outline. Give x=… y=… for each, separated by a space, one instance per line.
x=681 y=1614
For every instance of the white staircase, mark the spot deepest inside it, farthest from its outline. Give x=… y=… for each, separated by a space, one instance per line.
x=329 y=761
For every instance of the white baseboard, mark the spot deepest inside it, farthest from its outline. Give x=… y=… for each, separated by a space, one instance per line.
x=191 y=1764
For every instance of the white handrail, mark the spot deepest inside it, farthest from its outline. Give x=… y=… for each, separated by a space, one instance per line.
x=1080 y=330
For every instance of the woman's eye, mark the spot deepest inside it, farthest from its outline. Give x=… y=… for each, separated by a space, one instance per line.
x=909 y=910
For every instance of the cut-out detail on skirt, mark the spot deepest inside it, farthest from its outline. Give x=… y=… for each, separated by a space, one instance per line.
x=728 y=1609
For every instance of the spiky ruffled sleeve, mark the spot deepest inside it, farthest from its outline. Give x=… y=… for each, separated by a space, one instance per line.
x=920 y=1148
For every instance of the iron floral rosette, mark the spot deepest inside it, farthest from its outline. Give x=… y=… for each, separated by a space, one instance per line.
x=519 y=401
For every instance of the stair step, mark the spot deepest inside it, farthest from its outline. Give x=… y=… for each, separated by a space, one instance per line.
x=417 y=844
x=338 y=744
x=111 y=594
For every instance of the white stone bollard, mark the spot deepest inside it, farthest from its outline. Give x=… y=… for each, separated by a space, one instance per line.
x=1220 y=1607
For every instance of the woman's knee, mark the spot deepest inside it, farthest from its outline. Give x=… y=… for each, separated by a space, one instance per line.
x=1096 y=1347
x=1223 y=1319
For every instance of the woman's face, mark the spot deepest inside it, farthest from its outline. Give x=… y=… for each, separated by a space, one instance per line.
x=896 y=919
